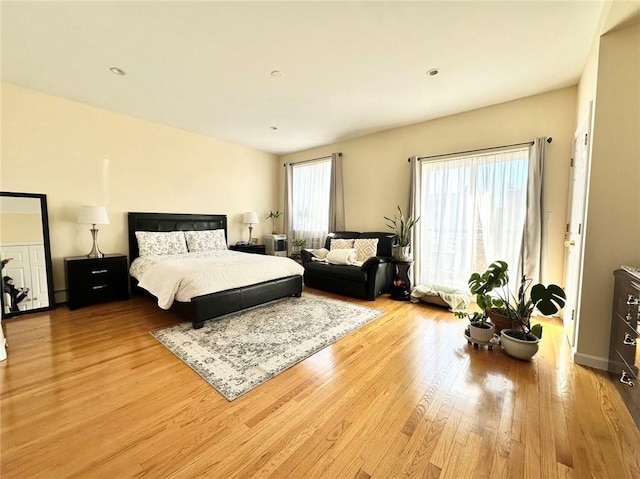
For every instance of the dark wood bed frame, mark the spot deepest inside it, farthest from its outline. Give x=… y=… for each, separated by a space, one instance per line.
x=209 y=306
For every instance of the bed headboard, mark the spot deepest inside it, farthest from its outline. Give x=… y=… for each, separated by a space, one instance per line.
x=171 y=222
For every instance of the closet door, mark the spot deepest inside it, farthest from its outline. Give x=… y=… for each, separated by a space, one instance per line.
x=39 y=294
x=19 y=270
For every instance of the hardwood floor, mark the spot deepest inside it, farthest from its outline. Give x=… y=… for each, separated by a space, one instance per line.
x=91 y=394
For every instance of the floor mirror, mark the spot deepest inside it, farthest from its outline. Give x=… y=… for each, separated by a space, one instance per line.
x=27 y=277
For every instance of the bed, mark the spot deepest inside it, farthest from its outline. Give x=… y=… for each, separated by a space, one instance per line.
x=212 y=305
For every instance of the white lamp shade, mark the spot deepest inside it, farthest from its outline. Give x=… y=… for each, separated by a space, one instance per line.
x=250 y=217
x=93 y=215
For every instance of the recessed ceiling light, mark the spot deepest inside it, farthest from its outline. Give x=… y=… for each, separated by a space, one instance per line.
x=277 y=74
x=433 y=72
x=273 y=127
x=118 y=71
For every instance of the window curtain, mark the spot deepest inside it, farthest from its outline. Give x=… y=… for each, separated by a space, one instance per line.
x=533 y=256
x=472 y=212
x=336 y=195
x=288 y=202
x=415 y=211
x=314 y=199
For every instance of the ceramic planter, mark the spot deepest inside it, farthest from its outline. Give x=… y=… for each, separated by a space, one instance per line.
x=519 y=348
x=501 y=322
x=479 y=334
x=401 y=253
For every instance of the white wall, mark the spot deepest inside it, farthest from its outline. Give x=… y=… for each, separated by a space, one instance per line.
x=612 y=234
x=376 y=172
x=81 y=155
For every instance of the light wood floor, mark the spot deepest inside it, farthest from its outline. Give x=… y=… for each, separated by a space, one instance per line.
x=91 y=394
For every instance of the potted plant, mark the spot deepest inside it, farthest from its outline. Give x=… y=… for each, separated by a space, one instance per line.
x=403 y=228
x=522 y=340
x=480 y=329
x=273 y=216
x=297 y=244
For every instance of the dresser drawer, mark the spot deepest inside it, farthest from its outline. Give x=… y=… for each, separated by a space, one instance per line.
x=94 y=280
x=624 y=345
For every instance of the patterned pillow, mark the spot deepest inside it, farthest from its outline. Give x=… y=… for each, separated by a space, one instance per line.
x=341 y=243
x=161 y=243
x=365 y=248
x=207 y=240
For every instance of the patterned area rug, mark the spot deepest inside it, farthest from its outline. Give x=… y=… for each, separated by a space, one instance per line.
x=242 y=350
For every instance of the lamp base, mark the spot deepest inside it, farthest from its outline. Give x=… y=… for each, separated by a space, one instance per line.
x=95 y=251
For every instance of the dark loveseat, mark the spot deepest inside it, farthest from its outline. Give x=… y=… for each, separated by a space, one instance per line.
x=368 y=281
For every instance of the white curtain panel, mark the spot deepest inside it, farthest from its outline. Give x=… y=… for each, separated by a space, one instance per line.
x=310 y=201
x=472 y=212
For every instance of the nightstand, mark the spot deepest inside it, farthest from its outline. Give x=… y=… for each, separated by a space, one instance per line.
x=94 y=280
x=249 y=248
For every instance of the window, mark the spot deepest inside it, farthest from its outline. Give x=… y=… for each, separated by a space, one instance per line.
x=473 y=211
x=310 y=198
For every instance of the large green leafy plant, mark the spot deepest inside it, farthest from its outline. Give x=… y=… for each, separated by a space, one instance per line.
x=402 y=227
x=520 y=306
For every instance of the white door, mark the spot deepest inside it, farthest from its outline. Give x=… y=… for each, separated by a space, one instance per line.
x=39 y=295
x=19 y=270
x=575 y=225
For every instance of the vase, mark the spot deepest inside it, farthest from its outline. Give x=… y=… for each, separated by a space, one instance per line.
x=401 y=253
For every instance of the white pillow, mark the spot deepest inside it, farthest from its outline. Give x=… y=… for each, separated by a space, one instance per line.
x=340 y=243
x=161 y=242
x=320 y=253
x=206 y=240
x=341 y=256
x=365 y=248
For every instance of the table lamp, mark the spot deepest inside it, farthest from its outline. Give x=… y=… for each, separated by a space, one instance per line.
x=93 y=215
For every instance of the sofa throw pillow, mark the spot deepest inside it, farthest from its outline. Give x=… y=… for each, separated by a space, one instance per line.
x=206 y=240
x=339 y=243
x=365 y=248
x=160 y=243
x=344 y=256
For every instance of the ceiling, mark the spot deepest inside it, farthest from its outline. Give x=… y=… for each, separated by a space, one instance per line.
x=350 y=68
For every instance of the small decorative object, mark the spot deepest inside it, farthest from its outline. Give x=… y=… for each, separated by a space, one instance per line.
x=250 y=218
x=273 y=216
x=93 y=215
x=517 y=309
x=403 y=228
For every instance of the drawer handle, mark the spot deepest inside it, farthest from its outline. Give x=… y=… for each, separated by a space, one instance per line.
x=628 y=340
x=632 y=301
x=101 y=286
x=627 y=318
x=625 y=379
x=99 y=271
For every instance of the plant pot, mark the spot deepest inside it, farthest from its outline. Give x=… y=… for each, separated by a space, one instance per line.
x=481 y=332
x=401 y=253
x=501 y=322
x=523 y=349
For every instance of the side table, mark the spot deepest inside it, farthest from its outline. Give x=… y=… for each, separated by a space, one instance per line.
x=401 y=287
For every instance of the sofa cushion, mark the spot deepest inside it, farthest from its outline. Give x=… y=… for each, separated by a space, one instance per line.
x=341 y=243
x=385 y=242
x=365 y=248
x=351 y=273
x=340 y=235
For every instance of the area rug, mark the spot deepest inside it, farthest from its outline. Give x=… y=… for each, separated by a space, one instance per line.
x=242 y=350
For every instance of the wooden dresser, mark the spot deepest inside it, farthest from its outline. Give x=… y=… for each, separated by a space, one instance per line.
x=624 y=351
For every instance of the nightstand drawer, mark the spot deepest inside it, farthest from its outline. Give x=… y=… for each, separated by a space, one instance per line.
x=94 y=280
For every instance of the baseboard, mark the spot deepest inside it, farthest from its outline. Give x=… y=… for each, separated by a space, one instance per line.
x=60 y=297
x=595 y=362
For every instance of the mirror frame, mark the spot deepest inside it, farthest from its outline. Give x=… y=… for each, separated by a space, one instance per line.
x=47 y=254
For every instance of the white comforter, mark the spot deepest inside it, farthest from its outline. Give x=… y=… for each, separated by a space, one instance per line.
x=181 y=277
